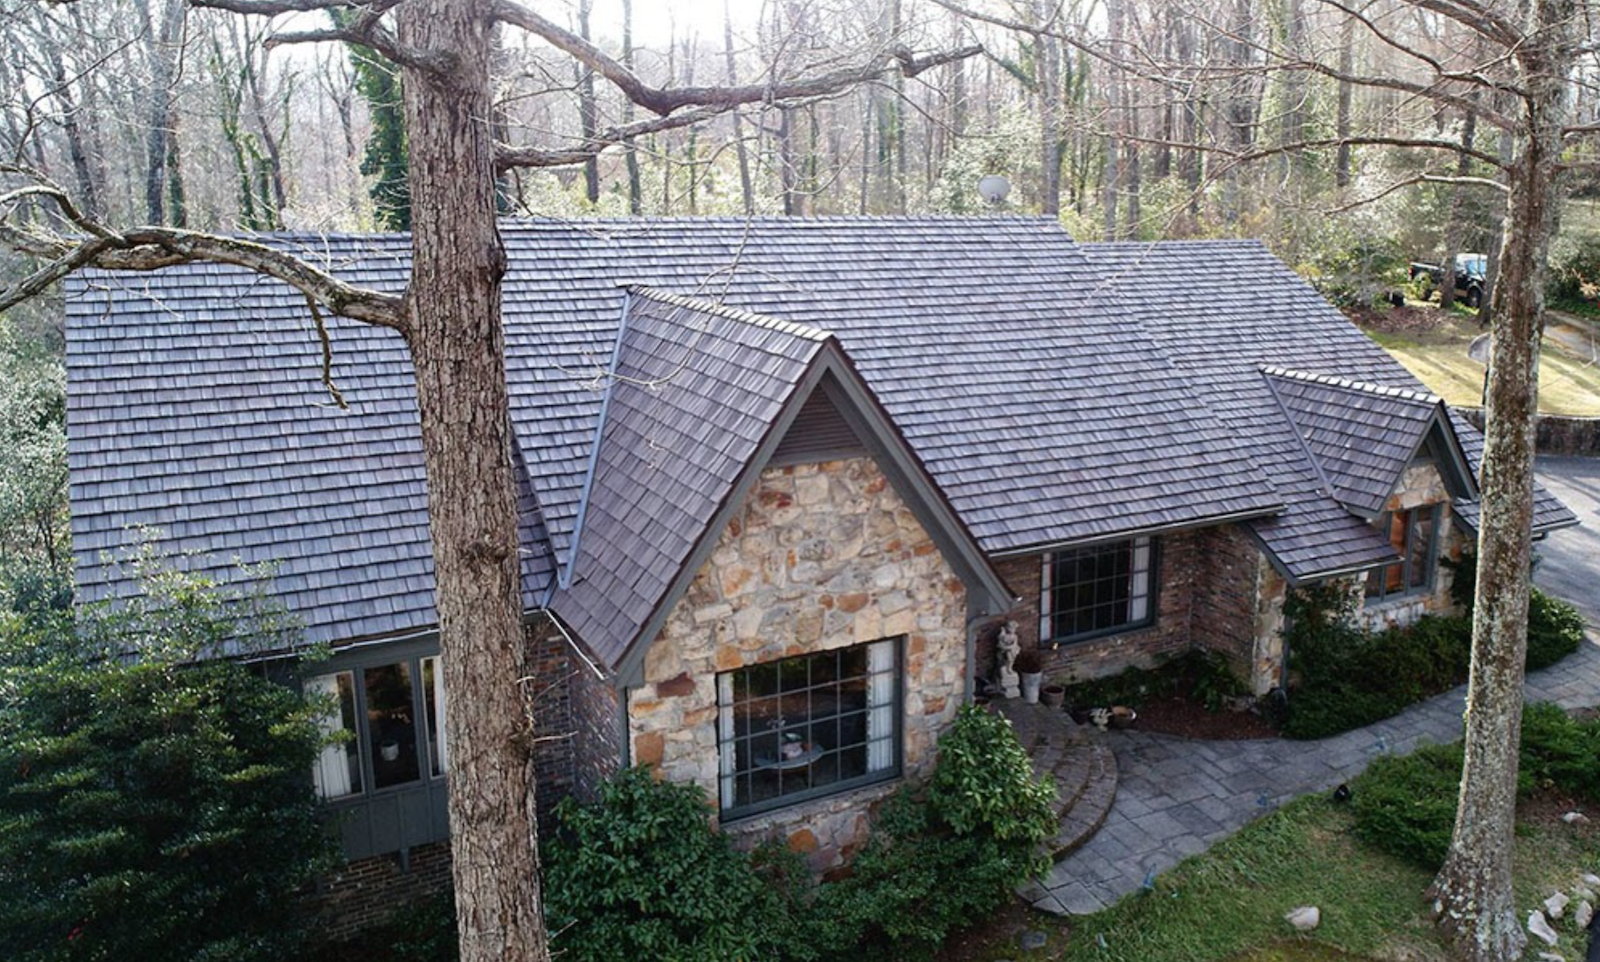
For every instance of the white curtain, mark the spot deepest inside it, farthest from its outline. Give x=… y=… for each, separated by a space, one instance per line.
x=725 y=745
x=438 y=714
x=332 y=771
x=1046 y=572
x=880 y=704
x=1139 y=588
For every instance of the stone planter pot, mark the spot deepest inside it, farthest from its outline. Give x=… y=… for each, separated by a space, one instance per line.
x=1053 y=696
x=1031 y=680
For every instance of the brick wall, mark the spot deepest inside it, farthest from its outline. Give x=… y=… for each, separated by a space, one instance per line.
x=367 y=892
x=553 y=666
x=597 y=732
x=1207 y=583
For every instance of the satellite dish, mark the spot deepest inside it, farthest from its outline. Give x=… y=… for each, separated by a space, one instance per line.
x=993 y=189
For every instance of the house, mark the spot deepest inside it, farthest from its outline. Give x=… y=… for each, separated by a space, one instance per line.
x=781 y=483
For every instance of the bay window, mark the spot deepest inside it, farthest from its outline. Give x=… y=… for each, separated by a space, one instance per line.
x=808 y=726
x=1097 y=590
x=390 y=718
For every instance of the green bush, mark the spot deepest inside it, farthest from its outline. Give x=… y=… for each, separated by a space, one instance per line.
x=1205 y=676
x=1575 y=269
x=152 y=810
x=1555 y=630
x=937 y=864
x=1559 y=752
x=1406 y=806
x=641 y=874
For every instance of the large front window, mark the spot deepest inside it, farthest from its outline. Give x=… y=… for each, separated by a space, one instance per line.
x=808 y=726
x=1098 y=590
x=1414 y=533
x=389 y=718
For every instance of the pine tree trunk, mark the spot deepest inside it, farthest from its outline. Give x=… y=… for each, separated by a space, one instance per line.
x=1473 y=896
x=458 y=350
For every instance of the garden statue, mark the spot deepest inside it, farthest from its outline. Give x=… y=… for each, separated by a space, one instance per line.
x=1008 y=655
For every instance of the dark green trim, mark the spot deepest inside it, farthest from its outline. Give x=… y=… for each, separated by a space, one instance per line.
x=1143 y=624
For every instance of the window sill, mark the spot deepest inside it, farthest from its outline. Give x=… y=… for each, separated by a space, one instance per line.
x=742 y=817
x=1103 y=635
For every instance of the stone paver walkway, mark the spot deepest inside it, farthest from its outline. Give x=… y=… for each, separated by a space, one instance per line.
x=1178 y=796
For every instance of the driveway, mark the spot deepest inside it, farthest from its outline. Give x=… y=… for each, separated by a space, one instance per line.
x=1568 y=564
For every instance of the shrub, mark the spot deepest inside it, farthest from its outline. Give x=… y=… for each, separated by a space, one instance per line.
x=641 y=874
x=1575 y=268
x=937 y=864
x=1555 y=630
x=1406 y=806
x=1559 y=752
x=1205 y=675
x=151 y=810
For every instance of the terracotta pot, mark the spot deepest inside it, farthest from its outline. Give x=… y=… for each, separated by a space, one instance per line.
x=1122 y=716
x=1054 y=696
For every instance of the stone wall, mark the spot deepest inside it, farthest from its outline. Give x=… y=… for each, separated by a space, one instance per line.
x=1419 y=486
x=1555 y=434
x=821 y=556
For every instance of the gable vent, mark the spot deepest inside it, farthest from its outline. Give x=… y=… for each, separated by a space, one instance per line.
x=819 y=433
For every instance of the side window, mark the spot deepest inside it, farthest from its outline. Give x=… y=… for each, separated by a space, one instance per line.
x=392 y=723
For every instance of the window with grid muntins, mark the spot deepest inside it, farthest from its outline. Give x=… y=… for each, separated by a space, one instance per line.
x=1414 y=533
x=808 y=726
x=1098 y=590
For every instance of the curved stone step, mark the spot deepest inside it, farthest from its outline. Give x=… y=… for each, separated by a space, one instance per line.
x=1089 y=810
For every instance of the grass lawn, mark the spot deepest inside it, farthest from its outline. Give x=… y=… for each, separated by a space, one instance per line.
x=1228 y=904
x=1568 y=383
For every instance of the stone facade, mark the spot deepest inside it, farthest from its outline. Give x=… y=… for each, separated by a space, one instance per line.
x=1419 y=486
x=821 y=556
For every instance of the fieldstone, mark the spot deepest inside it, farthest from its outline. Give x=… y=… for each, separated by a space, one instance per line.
x=1551 y=957
x=1305 y=918
x=1539 y=926
x=1556 y=905
x=1032 y=940
x=675 y=687
x=1575 y=818
x=1583 y=914
x=1591 y=880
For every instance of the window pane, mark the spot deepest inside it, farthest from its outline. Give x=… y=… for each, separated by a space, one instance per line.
x=393 y=727
x=830 y=717
x=338 y=769
x=1422 y=533
x=1100 y=588
x=433 y=704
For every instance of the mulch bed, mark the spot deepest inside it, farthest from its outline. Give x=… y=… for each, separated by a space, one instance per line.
x=1177 y=715
x=980 y=942
x=1396 y=320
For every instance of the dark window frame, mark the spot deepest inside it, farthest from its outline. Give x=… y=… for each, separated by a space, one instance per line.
x=422 y=743
x=1049 y=614
x=1378 y=577
x=731 y=814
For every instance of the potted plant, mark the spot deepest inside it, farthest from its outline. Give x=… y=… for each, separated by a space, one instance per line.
x=1030 y=669
x=1053 y=695
x=1122 y=716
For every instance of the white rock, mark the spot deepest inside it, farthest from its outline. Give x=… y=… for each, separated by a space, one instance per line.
x=1305 y=918
x=1591 y=880
x=1540 y=926
x=1556 y=904
x=1575 y=818
x=1583 y=914
x=1551 y=957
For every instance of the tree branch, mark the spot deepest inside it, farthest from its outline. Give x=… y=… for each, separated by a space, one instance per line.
x=663 y=101
x=507 y=157
x=152 y=248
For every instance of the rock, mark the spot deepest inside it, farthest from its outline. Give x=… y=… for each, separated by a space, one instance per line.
x=1032 y=940
x=1540 y=926
x=1305 y=918
x=1591 y=880
x=1575 y=818
x=1551 y=957
x=1583 y=914
x=1556 y=904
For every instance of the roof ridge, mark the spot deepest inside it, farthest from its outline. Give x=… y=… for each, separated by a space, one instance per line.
x=718 y=309
x=1366 y=387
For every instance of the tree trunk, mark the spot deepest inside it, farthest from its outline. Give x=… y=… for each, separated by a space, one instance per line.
x=1473 y=896
x=588 y=116
x=746 y=193
x=1111 y=175
x=1347 y=65
x=82 y=172
x=254 y=77
x=1458 y=211
x=163 y=68
x=630 y=153
x=457 y=346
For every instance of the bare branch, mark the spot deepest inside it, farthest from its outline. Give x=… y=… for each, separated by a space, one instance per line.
x=509 y=157
x=663 y=101
x=1418 y=179
x=327 y=353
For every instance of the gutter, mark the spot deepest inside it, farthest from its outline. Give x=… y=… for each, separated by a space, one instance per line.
x=1214 y=521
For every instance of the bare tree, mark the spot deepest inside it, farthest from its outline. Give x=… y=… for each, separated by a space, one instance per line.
x=450 y=318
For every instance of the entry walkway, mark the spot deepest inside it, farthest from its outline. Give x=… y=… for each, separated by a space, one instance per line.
x=1178 y=796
